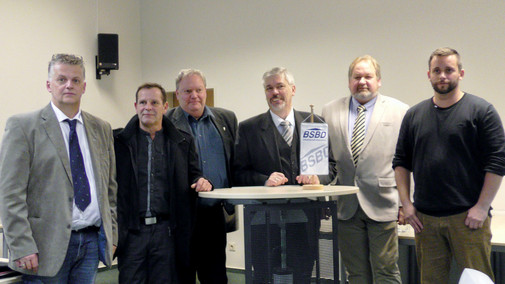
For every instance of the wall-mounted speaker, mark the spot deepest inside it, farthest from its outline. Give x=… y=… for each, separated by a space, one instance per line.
x=108 y=54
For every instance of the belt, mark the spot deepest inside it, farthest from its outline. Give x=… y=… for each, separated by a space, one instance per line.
x=89 y=229
x=154 y=219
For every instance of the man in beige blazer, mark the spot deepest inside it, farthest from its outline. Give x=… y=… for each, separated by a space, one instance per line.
x=368 y=239
x=51 y=238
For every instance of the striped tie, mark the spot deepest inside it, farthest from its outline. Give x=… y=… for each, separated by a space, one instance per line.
x=287 y=134
x=358 y=134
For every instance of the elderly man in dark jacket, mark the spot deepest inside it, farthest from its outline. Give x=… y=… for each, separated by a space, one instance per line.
x=158 y=179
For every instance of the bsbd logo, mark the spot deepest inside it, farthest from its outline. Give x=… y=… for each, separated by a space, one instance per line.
x=314 y=133
x=314 y=157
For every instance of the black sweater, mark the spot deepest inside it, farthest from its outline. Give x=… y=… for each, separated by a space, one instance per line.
x=449 y=150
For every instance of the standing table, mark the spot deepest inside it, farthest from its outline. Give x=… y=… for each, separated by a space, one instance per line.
x=277 y=200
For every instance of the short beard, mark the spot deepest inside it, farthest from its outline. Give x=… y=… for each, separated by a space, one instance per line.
x=449 y=89
x=277 y=108
x=364 y=97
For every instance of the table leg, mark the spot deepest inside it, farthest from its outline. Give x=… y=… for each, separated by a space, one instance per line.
x=247 y=243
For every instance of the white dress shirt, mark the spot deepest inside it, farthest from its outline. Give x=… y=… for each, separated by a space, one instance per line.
x=91 y=215
x=277 y=120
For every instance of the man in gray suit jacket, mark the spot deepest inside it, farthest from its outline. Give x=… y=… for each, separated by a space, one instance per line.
x=214 y=130
x=368 y=239
x=52 y=236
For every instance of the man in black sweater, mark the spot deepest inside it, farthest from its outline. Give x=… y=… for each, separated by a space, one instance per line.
x=454 y=144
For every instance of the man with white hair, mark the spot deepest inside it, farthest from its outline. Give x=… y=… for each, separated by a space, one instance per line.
x=267 y=153
x=214 y=130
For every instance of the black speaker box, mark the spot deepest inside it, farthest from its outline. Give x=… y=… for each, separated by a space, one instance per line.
x=108 y=57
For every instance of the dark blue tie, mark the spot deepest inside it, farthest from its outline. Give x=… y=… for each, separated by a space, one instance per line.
x=81 y=184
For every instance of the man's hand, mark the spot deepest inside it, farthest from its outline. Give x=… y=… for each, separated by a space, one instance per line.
x=202 y=185
x=29 y=262
x=307 y=179
x=276 y=179
x=478 y=213
x=401 y=217
x=476 y=217
x=410 y=214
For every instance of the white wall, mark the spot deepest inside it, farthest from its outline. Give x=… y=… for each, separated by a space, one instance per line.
x=31 y=31
x=234 y=42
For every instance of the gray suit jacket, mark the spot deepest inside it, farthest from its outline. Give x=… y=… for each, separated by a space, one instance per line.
x=36 y=192
x=374 y=174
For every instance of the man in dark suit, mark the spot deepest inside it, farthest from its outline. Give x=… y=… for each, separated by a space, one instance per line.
x=267 y=153
x=57 y=184
x=214 y=131
x=158 y=180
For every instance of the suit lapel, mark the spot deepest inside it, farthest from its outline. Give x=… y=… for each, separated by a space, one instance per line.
x=223 y=132
x=298 y=121
x=172 y=139
x=267 y=134
x=171 y=150
x=53 y=131
x=378 y=112
x=180 y=120
x=343 y=110
x=91 y=128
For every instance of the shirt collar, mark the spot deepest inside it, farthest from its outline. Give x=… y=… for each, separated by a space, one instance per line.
x=277 y=119
x=62 y=117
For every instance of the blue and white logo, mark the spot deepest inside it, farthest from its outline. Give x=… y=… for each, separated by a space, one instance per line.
x=315 y=133
x=314 y=149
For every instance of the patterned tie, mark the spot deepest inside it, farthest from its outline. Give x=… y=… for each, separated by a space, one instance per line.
x=358 y=134
x=81 y=184
x=287 y=134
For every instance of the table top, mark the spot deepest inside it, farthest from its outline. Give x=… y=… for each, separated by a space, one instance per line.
x=278 y=192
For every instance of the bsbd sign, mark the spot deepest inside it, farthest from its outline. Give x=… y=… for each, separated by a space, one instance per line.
x=314 y=149
x=314 y=133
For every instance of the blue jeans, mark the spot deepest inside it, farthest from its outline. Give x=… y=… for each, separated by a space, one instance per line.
x=80 y=264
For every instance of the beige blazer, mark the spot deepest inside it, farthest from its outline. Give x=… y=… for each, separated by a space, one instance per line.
x=374 y=175
x=36 y=193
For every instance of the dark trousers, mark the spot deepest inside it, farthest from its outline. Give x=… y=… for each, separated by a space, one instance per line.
x=148 y=256
x=209 y=245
